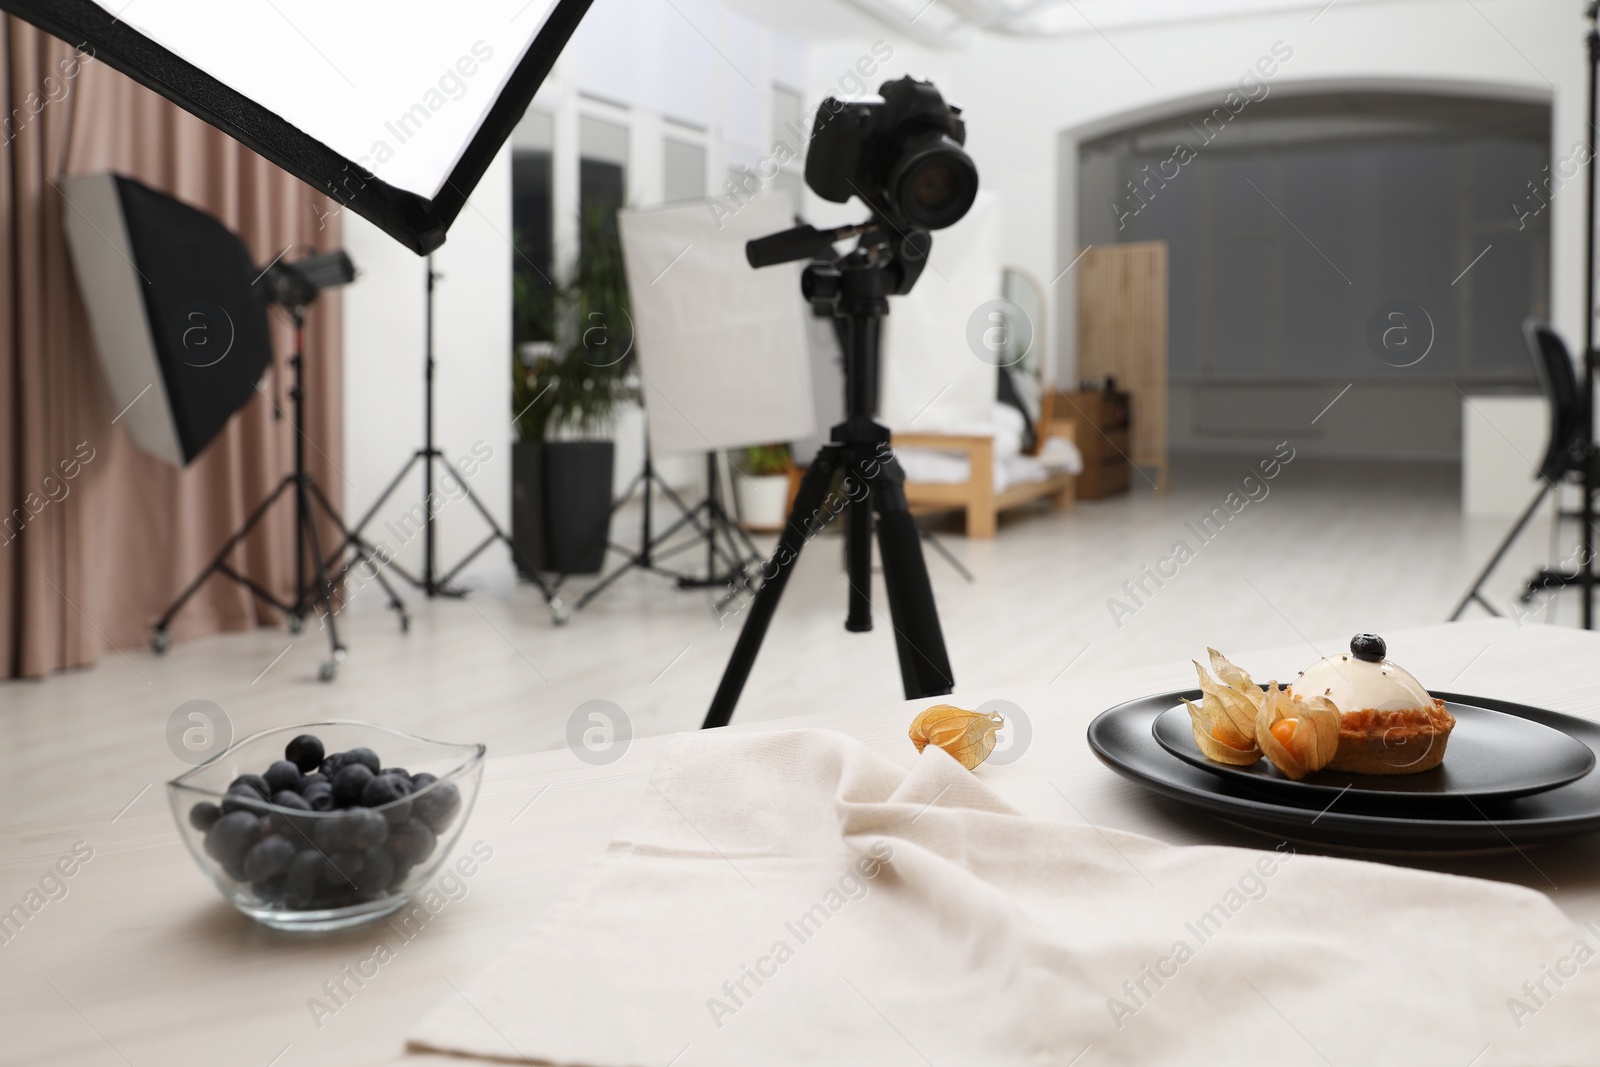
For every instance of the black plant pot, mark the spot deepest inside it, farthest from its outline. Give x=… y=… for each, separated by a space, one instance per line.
x=561 y=504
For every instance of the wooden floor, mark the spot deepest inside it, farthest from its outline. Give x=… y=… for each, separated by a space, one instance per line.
x=1334 y=548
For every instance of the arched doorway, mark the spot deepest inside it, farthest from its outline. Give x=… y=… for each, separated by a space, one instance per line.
x=1297 y=223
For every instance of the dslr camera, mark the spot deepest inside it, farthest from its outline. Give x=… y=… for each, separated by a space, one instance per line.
x=902 y=156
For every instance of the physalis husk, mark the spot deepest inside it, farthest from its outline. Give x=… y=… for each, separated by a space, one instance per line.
x=1299 y=735
x=969 y=736
x=1225 y=720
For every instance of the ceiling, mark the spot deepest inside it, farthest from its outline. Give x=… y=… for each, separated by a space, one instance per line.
x=939 y=23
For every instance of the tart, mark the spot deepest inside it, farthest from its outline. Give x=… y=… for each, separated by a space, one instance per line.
x=1388 y=722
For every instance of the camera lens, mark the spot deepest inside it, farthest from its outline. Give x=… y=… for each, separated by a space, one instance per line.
x=932 y=187
x=934 y=182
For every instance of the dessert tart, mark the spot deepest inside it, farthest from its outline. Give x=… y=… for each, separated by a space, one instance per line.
x=1388 y=722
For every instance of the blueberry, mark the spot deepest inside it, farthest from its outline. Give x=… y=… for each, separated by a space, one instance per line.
x=334 y=896
x=383 y=789
x=314 y=778
x=269 y=889
x=376 y=870
x=344 y=867
x=300 y=883
x=402 y=871
x=412 y=843
x=254 y=781
x=401 y=771
x=232 y=836
x=331 y=765
x=418 y=781
x=296 y=827
x=336 y=831
x=349 y=783
x=364 y=756
x=290 y=799
x=438 y=805
x=319 y=796
x=305 y=752
x=282 y=775
x=268 y=858
x=367 y=828
x=204 y=815
x=1369 y=647
x=242 y=796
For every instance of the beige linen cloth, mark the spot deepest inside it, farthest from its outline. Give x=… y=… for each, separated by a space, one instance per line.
x=794 y=898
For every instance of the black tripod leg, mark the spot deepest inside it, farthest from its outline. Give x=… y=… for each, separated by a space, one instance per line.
x=324 y=584
x=1499 y=553
x=924 y=664
x=383 y=497
x=363 y=551
x=534 y=576
x=220 y=559
x=858 y=556
x=807 y=503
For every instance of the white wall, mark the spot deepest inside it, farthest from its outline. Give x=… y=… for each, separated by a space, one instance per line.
x=694 y=70
x=383 y=345
x=1028 y=101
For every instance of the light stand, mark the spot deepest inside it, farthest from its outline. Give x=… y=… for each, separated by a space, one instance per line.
x=856 y=288
x=1586 y=510
x=1582 y=577
x=308 y=496
x=726 y=544
x=430 y=581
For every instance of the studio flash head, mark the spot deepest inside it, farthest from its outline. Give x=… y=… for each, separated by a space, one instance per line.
x=902 y=156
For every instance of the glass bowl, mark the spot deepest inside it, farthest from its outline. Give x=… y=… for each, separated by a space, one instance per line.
x=294 y=868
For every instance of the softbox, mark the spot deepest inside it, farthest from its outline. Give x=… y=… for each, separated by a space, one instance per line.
x=393 y=108
x=180 y=327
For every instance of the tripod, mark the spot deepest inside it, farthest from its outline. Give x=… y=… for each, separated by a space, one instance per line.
x=310 y=593
x=734 y=554
x=430 y=581
x=856 y=289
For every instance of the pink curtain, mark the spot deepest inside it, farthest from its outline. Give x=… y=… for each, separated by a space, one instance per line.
x=107 y=536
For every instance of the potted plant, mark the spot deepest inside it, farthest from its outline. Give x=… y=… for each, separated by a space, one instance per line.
x=569 y=377
x=761 y=491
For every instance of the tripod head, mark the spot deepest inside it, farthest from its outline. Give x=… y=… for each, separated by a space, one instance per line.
x=900 y=255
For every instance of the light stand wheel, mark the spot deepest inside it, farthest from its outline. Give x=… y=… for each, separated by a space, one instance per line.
x=297 y=623
x=560 y=611
x=160 y=642
x=327 y=671
x=405 y=623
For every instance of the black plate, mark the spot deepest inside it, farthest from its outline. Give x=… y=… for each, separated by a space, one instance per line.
x=1122 y=738
x=1491 y=756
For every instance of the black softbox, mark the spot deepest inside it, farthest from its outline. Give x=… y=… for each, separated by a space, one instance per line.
x=394 y=109
x=179 y=324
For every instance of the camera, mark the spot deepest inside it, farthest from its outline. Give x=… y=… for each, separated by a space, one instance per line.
x=902 y=156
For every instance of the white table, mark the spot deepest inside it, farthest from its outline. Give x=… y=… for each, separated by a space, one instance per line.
x=143 y=963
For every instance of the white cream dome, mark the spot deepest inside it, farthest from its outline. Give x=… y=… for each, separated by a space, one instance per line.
x=1362 y=685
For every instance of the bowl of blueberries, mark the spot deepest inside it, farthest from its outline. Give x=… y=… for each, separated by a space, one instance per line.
x=309 y=828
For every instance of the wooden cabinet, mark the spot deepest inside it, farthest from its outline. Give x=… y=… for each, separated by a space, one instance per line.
x=1102 y=438
x=1122 y=335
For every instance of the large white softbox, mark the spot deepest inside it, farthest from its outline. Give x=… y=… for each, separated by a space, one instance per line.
x=721 y=346
x=393 y=108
